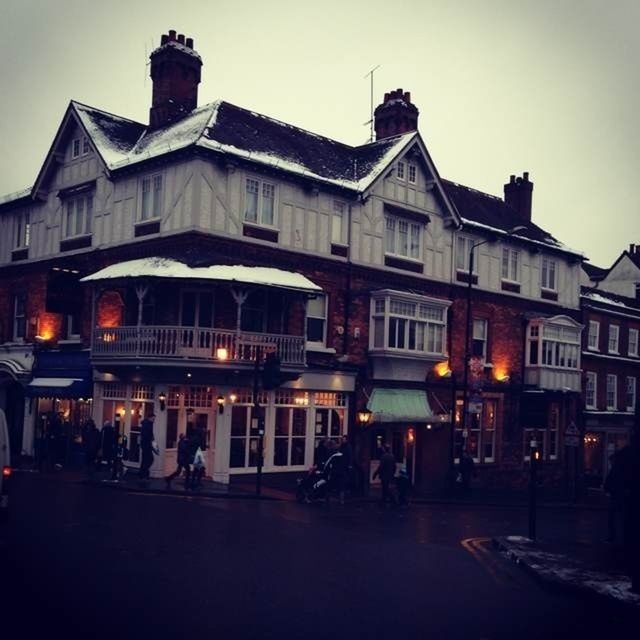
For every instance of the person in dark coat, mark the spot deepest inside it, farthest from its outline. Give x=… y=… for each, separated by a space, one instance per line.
x=465 y=469
x=146 y=446
x=108 y=444
x=185 y=458
x=91 y=442
x=347 y=453
x=385 y=471
x=321 y=453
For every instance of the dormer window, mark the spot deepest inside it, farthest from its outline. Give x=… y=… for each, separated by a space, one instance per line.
x=80 y=147
x=78 y=216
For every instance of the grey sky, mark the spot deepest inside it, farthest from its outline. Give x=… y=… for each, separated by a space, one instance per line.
x=503 y=86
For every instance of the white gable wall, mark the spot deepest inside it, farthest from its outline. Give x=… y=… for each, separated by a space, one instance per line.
x=622 y=278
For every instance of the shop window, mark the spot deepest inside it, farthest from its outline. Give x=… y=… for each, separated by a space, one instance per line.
x=290 y=436
x=244 y=443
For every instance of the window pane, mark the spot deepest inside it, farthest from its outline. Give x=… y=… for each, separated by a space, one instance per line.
x=237 y=452
x=238 y=421
x=146 y=198
x=390 y=237
x=415 y=241
x=403 y=238
x=188 y=309
x=70 y=223
x=378 y=333
x=505 y=263
x=461 y=254
x=251 y=205
x=283 y=424
x=268 y=203
x=281 y=452
x=315 y=330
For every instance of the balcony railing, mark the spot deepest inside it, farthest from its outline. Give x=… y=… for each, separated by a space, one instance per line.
x=192 y=343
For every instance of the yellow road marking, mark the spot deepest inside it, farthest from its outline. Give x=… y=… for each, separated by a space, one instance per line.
x=483 y=557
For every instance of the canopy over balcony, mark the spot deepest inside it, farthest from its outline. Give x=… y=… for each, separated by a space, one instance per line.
x=158 y=267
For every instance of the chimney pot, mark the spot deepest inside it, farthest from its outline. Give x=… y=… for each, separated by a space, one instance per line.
x=632 y=248
x=525 y=176
x=407 y=97
x=512 y=179
x=172 y=34
x=518 y=195
x=181 y=38
x=392 y=118
x=164 y=39
x=189 y=43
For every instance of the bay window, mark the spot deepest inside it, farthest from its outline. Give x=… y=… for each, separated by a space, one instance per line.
x=553 y=345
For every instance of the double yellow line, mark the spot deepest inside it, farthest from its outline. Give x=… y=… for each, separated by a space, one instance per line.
x=477 y=547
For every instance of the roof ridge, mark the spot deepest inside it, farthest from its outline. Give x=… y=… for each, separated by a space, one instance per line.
x=107 y=113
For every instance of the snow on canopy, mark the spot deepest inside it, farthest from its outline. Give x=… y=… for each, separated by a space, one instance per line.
x=159 y=267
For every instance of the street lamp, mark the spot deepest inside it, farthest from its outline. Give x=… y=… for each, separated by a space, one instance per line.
x=467 y=338
x=364 y=417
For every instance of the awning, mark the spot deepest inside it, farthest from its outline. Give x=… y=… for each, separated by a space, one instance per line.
x=167 y=268
x=399 y=405
x=59 y=388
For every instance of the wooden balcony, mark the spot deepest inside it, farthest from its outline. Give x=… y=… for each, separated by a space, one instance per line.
x=190 y=344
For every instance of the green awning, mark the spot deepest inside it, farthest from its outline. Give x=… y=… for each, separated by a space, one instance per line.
x=399 y=405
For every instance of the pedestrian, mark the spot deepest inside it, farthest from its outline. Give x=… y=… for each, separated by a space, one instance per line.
x=321 y=453
x=108 y=444
x=385 y=471
x=147 y=440
x=335 y=473
x=465 y=468
x=347 y=452
x=184 y=461
x=403 y=484
x=91 y=442
x=198 y=469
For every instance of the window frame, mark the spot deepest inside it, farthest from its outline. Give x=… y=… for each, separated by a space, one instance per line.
x=411 y=225
x=19 y=321
x=614 y=338
x=338 y=211
x=633 y=353
x=154 y=210
x=81 y=223
x=630 y=393
x=484 y=339
x=549 y=267
x=478 y=426
x=591 y=388
x=412 y=169
x=612 y=392
x=401 y=172
x=592 y=324
x=512 y=274
x=260 y=202
x=323 y=341
x=22 y=236
x=548 y=346
x=468 y=242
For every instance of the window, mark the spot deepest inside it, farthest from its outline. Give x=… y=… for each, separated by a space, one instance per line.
x=594 y=335
x=510 y=264
x=633 y=342
x=338 y=235
x=289 y=435
x=413 y=172
x=80 y=146
x=463 y=254
x=614 y=333
x=317 y=320
x=244 y=440
x=552 y=435
x=548 y=278
x=630 y=396
x=23 y=231
x=412 y=324
x=481 y=426
x=479 y=342
x=75 y=148
x=559 y=347
x=612 y=392
x=19 y=316
x=79 y=216
x=260 y=202
x=403 y=238
x=590 y=390
x=72 y=327
x=85 y=146
x=152 y=193
x=400 y=171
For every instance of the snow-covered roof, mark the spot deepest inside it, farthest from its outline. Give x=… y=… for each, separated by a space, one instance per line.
x=159 y=267
x=601 y=296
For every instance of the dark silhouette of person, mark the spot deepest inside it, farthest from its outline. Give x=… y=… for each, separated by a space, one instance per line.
x=347 y=456
x=385 y=471
x=465 y=468
x=146 y=446
x=91 y=442
x=321 y=453
x=185 y=458
x=108 y=444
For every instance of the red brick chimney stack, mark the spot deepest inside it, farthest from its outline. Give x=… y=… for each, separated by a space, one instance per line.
x=518 y=193
x=395 y=115
x=175 y=72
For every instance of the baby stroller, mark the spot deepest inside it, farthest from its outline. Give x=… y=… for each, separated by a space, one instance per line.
x=313 y=486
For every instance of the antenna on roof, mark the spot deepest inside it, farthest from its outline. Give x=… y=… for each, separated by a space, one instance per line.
x=370 y=122
x=147 y=62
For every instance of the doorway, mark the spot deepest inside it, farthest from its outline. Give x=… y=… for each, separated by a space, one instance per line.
x=401 y=439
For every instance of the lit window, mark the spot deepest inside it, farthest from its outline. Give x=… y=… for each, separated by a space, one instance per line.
x=633 y=342
x=614 y=333
x=317 y=320
x=548 y=276
x=594 y=335
x=590 y=390
x=78 y=216
x=612 y=392
x=413 y=172
x=151 y=201
x=338 y=223
x=414 y=324
x=631 y=394
x=260 y=205
x=481 y=432
x=510 y=264
x=403 y=238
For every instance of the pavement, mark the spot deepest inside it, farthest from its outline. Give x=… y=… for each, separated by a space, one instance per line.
x=588 y=568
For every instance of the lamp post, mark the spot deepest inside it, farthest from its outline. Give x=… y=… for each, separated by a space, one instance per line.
x=467 y=335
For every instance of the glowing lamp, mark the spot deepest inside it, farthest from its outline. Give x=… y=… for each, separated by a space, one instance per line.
x=220 y=403
x=364 y=417
x=222 y=353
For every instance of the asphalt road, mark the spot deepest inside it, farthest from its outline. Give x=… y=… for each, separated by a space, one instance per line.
x=86 y=562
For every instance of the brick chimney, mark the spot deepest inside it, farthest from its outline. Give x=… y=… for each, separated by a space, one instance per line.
x=395 y=115
x=175 y=72
x=517 y=195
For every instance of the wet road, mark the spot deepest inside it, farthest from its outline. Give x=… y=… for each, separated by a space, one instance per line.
x=87 y=562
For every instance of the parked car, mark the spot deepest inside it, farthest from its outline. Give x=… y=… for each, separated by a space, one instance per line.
x=5 y=466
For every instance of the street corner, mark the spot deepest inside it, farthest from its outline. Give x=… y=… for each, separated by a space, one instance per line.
x=567 y=570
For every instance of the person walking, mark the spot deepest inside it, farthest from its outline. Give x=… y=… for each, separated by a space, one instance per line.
x=385 y=471
x=146 y=446
x=91 y=442
x=108 y=444
x=185 y=458
x=347 y=455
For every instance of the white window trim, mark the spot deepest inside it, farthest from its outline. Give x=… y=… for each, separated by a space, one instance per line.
x=596 y=324
x=413 y=167
x=318 y=344
x=633 y=354
x=156 y=209
x=410 y=223
x=631 y=407
x=509 y=251
x=468 y=243
x=87 y=219
x=593 y=376
x=612 y=406
x=258 y=221
x=616 y=349
x=402 y=177
x=339 y=207
x=545 y=285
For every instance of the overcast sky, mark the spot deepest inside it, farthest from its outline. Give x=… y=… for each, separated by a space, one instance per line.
x=503 y=86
